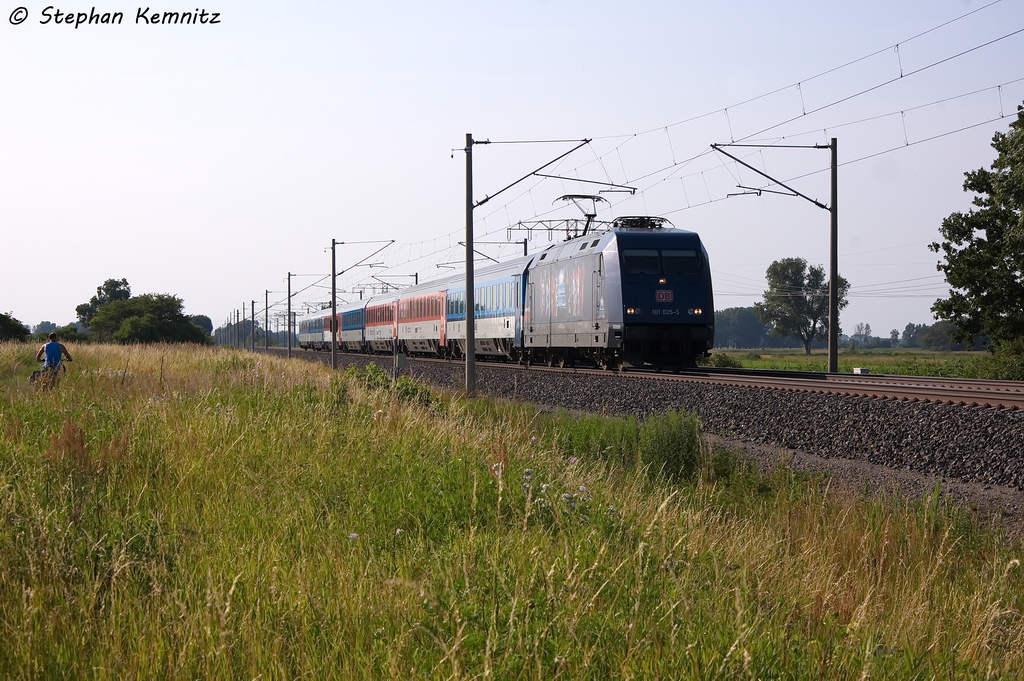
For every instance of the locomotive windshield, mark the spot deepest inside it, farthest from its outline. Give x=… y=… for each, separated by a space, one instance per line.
x=641 y=261
x=679 y=262
x=653 y=261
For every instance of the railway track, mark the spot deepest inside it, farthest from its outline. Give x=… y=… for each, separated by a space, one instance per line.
x=967 y=393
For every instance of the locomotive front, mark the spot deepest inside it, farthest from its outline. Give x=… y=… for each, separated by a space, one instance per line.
x=666 y=308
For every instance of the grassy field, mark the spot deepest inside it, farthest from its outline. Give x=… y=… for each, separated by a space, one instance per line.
x=175 y=512
x=900 y=361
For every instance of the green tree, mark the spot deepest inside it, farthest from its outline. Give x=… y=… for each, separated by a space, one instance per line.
x=861 y=335
x=939 y=337
x=739 y=327
x=149 y=318
x=203 y=322
x=796 y=302
x=12 y=329
x=111 y=290
x=70 y=333
x=910 y=334
x=983 y=249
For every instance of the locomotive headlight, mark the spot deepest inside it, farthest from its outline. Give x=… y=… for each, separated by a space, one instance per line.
x=632 y=310
x=663 y=280
x=696 y=311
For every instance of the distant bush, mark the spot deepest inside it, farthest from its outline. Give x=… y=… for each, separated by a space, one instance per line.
x=718 y=359
x=1004 y=365
x=1000 y=366
x=69 y=333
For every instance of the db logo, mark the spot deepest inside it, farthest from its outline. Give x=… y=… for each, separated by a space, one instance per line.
x=663 y=296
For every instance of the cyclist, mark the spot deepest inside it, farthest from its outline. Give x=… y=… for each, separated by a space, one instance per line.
x=52 y=353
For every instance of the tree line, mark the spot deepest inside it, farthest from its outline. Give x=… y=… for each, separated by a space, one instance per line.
x=741 y=327
x=114 y=315
x=248 y=333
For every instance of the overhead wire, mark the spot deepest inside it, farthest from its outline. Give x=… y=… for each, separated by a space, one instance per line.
x=887 y=82
x=827 y=71
x=599 y=159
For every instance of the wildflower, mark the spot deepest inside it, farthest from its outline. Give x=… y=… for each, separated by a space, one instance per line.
x=529 y=471
x=533 y=440
x=353 y=536
x=583 y=488
x=526 y=485
x=573 y=459
x=399 y=531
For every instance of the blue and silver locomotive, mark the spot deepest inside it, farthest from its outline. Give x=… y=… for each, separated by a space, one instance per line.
x=637 y=295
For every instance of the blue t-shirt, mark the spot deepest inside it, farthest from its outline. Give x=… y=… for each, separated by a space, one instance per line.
x=53 y=354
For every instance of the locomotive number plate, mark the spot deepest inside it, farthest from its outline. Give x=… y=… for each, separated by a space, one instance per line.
x=663 y=296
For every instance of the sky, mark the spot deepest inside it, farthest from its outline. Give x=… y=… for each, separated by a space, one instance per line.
x=210 y=160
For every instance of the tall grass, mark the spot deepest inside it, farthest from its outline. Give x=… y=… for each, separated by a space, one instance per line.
x=200 y=513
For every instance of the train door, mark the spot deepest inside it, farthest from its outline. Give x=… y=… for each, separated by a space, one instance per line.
x=530 y=314
x=442 y=331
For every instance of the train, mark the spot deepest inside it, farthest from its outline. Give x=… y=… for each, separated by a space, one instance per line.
x=637 y=295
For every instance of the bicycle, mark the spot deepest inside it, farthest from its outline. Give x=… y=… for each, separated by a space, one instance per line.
x=49 y=376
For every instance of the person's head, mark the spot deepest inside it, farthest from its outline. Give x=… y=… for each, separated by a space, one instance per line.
x=52 y=337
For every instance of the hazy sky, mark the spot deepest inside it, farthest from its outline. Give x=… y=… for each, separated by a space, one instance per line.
x=208 y=160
